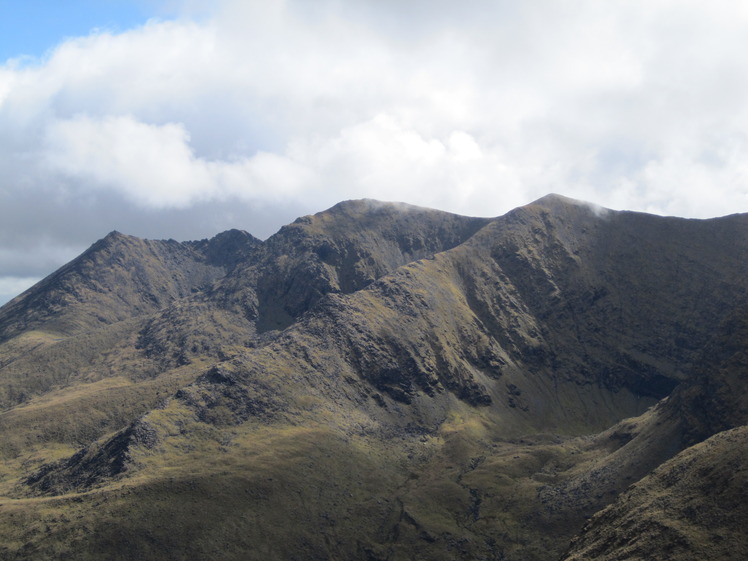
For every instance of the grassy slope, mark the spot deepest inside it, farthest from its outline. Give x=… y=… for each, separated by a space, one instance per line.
x=86 y=375
x=303 y=488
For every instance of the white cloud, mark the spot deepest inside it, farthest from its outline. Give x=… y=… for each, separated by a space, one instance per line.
x=152 y=164
x=179 y=112
x=382 y=158
x=155 y=166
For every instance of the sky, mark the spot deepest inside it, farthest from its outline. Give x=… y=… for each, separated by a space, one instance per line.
x=169 y=119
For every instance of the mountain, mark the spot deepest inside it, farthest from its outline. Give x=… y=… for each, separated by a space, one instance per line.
x=379 y=381
x=121 y=277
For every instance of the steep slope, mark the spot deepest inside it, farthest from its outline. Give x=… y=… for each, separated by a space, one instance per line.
x=435 y=392
x=716 y=398
x=643 y=292
x=692 y=507
x=64 y=325
x=340 y=250
x=120 y=277
x=71 y=369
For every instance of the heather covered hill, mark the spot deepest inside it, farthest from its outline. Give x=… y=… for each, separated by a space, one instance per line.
x=377 y=381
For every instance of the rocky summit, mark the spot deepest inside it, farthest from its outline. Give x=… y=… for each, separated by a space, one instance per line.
x=384 y=382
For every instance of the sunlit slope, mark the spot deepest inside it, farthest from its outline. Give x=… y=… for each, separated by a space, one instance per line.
x=133 y=320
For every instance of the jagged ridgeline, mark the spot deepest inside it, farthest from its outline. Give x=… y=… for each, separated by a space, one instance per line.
x=383 y=382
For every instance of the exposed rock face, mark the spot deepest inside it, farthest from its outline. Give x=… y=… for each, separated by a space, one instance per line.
x=376 y=381
x=340 y=250
x=716 y=398
x=95 y=464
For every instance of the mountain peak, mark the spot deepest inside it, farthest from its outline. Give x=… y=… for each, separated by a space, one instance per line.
x=556 y=198
x=230 y=247
x=364 y=205
x=113 y=237
x=358 y=208
x=555 y=202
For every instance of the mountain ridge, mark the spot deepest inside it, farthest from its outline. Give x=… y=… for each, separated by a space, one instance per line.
x=419 y=381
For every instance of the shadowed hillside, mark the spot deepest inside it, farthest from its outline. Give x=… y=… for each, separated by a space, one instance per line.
x=376 y=381
x=694 y=505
